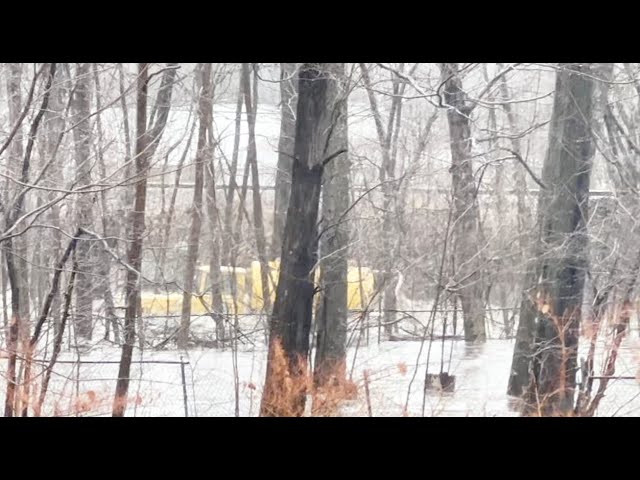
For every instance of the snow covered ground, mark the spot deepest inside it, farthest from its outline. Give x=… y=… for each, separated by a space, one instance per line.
x=157 y=389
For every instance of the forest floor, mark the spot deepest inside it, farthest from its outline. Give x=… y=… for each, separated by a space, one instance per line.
x=393 y=369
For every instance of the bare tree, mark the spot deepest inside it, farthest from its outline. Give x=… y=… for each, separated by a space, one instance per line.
x=252 y=159
x=387 y=174
x=81 y=106
x=552 y=301
x=19 y=326
x=331 y=315
x=111 y=320
x=215 y=276
x=18 y=250
x=169 y=218
x=288 y=102
x=146 y=143
x=286 y=377
x=467 y=229
x=204 y=115
x=233 y=170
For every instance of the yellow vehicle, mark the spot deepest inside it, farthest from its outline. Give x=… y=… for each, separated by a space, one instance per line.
x=360 y=285
x=245 y=294
x=234 y=297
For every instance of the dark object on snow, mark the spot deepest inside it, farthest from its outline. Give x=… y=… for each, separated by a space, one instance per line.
x=440 y=381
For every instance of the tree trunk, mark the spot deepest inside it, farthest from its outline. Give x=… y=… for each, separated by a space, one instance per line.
x=215 y=277
x=204 y=112
x=388 y=143
x=252 y=158
x=524 y=222
x=228 y=237
x=54 y=123
x=84 y=211
x=498 y=278
x=331 y=316
x=286 y=378
x=552 y=300
x=128 y=192
x=288 y=102
x=467 y=229
x=19 y=327
x=19 y=249
x=111 y=319
x=172 y=205
x=146 y=144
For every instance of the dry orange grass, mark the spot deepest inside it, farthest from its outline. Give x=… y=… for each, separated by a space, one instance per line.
x=291 y=383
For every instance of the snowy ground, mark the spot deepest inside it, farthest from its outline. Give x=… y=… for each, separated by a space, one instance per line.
x=156 y=389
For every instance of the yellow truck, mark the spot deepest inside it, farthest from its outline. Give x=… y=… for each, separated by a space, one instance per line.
x=170 y=302
x=245 y=294
x=360 y=285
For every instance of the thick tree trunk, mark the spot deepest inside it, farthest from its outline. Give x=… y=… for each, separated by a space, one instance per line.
x=288 y=103
x=467 y=229
x=287 y=374
x=552 y=300
x=84 y=211
x=331 y=316
x=204 y=116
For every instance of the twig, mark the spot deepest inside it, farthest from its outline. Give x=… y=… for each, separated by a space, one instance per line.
x=366 y=391
x=524 y=164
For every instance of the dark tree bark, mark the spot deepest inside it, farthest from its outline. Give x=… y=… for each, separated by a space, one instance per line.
x=134 y=255
x=204 y=115
x=331 y=316
x=146 y=144
x=545 y=365
x=467 y=229
x=288 y=102
x=286 y=377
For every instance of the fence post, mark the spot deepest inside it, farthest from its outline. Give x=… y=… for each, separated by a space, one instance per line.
x=184 y=387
